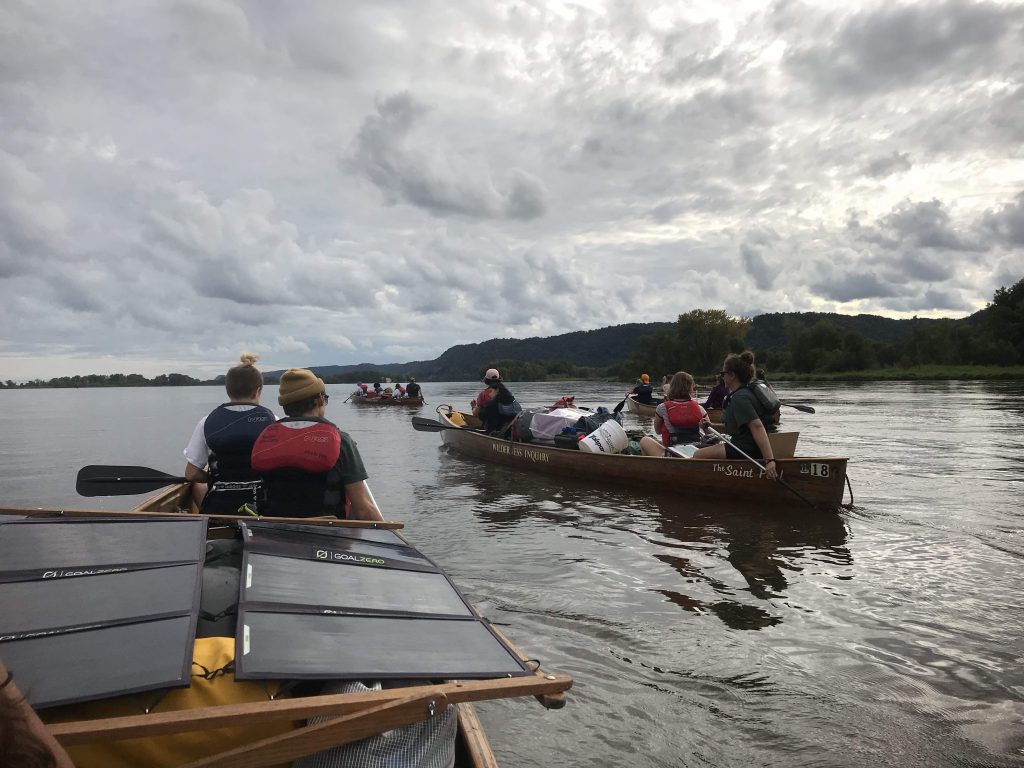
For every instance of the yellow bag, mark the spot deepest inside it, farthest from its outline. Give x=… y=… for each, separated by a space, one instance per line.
x=457 y=420
x=171 y=750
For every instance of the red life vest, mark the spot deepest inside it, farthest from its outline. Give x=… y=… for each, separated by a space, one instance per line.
x=299 y=467
x=313 y=448
x=682 y=425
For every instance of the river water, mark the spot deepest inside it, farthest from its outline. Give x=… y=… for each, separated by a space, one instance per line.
x=698 y=633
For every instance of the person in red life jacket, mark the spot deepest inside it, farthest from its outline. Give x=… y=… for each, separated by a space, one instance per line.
x=399 y=390
x=309 y=467
x=217 y=455
x=679 y=419
x=413 y=390
x=744 y=416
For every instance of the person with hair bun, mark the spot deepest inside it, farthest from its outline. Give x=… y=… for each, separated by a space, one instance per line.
x=218 y=455
x=744 y=416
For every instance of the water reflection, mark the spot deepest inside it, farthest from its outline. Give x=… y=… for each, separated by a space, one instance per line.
x=736 y=562
x=767 y=549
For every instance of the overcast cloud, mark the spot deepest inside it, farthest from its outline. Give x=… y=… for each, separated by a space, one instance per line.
x=343 y=182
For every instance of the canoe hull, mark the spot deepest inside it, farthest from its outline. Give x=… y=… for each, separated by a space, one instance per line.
x=389 y=402
x=821 y=480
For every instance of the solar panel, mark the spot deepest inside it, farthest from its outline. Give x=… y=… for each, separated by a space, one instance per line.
x=28 y=607
x=91 y=608
x=316 y=607
x=379 y=535
x=330 y=585
x=95 y=664
x=280 y=645
x=55 y=547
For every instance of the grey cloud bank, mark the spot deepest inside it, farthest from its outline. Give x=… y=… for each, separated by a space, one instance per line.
x=378 y=182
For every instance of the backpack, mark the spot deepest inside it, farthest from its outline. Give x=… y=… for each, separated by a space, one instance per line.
x=767 y=399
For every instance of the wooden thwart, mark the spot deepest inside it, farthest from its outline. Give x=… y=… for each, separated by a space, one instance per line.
x=208 y=718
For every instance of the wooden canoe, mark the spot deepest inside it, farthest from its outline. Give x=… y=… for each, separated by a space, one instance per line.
x=410 y=402
x=818 y=480
x=641 y=409
x=383 y=710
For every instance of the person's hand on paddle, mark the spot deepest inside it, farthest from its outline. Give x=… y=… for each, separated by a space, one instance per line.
x=770 y=470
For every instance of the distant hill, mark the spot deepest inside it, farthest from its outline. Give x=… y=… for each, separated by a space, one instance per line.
x=606 y=347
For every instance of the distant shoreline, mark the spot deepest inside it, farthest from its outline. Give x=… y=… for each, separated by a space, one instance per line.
x=917 y=373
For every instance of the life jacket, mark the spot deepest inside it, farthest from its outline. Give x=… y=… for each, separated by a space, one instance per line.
x=297 y=459
x=413 y=389
x=230 y=431
x=643 y=393
x=682 y=425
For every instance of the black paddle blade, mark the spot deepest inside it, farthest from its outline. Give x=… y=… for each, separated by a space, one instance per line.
x=107 y=480
x=618 y=407
x=423 y=424
x=799 y=407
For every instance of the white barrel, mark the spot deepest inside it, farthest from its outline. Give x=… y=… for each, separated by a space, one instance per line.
x=610 y=437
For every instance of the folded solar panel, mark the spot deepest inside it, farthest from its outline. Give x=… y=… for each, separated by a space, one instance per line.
x=91 y=608
x=319 y=607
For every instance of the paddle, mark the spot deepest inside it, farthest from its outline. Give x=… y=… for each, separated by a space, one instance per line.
x=747 y=456
x=104 y=480
x=423 y=424
x=618 y=407
x=799 y=407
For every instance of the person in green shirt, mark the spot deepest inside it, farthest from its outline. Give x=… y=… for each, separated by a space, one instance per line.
x=743 y=417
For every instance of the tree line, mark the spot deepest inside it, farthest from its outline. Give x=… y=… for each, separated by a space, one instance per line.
x=800 y=344
x=701 y=339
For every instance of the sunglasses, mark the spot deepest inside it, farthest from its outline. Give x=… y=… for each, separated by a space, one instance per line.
x=326 y=397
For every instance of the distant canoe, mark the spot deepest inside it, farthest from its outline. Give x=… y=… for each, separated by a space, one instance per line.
x=410 y=402
x=819 y=479
x=641 y=409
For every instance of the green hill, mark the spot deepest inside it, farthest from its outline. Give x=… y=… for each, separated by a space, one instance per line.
x=605 y=347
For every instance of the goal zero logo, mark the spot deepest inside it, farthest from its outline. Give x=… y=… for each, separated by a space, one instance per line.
x=347 y=557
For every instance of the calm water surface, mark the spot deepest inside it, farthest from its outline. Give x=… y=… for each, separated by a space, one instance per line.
x=698 y=634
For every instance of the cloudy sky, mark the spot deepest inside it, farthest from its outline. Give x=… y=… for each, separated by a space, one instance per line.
x=343 y=182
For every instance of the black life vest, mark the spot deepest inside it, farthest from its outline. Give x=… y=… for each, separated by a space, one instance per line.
x=682 y=425
x=413 y=390
x=297 y=458
x=230 y=432
x=643 y=393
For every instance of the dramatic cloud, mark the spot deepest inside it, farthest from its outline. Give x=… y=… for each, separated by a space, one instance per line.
x=353 y=183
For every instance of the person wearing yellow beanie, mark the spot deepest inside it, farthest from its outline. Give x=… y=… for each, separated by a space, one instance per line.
x=310 y=468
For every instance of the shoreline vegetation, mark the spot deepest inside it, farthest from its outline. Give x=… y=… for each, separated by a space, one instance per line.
x=912 y=373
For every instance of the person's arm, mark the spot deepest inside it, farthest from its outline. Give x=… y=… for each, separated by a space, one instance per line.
x=658 y=424
x=361 y=503
x=760 y=435
x=195 y=474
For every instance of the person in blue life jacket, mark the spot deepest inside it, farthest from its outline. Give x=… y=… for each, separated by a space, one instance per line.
x=680 y=419
x=744 y=416
x=217 y=455
x=309 y=467
x=643 y=390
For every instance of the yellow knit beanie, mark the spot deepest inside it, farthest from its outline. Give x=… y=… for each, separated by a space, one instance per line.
x=298 y=384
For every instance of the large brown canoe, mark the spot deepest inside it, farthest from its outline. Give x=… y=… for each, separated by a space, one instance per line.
x=411 y=402
x=817 y=480
x=383 y=710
